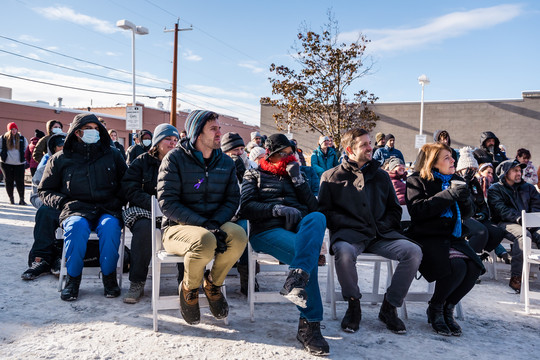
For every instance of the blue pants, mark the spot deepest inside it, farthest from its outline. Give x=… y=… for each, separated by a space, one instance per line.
x=76 y=232
x=300 y=250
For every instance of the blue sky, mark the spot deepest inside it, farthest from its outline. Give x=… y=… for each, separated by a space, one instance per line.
x=468 y=49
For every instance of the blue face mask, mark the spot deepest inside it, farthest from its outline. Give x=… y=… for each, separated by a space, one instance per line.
x=90 y=136
x=147 y=142
x=56 y=130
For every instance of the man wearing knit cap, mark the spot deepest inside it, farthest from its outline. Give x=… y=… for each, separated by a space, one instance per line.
x=388 y=150
x=380 y=141
x=198 y=193
x=324 y=157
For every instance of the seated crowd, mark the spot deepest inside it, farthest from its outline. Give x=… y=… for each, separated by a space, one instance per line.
x=462 y=204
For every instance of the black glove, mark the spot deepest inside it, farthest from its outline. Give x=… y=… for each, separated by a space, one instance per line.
x=293 y=169
x=480 y=216
x=469 y=175
x=240 y=167
x=221 y=236
x=460 y=193
x=292 y=216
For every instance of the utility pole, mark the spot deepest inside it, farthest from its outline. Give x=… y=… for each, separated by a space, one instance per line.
x=172 y=120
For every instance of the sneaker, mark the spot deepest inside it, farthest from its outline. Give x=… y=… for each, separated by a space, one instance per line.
x=189 y=305
x=309 y=334
x=39 y=267
x=294 y=287
x=515 y=283
x=216 y=301
x=110 y=285
x=353 y=315
x=71 y=291
x=388 y=315
x=136 y=291
x=322 y=260
x=55 y=269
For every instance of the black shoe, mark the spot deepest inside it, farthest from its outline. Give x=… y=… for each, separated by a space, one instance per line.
x=506 y=258
x=71 y=291
x=448 y=312
x=436 y=319
x=110 y=285
x=353 y=315
x=244 y=278
x=484 y=256
x=22 y=202
x=294 y=287
x=388 y=315
x=189 y=305
x=216 y=301
x=12 y=201
x=309 y=334
x=55 y=268
x=39 y=267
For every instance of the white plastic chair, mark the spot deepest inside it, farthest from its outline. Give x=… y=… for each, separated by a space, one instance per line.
x=530 y=256
x=159 y=257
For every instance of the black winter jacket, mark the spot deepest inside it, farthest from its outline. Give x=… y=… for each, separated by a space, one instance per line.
x=262 y=190
x=191 y=192
x=84 y=179
x=360 y=205
x=506 y=202
x=140 y=181
x=483 y=155
x=426 y=202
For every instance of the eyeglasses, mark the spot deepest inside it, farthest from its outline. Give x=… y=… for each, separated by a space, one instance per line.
x=284 y=154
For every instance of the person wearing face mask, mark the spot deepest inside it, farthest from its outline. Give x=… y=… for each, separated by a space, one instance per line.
x=83 y=181
x=53 y=127
x=114 y=137
x=489 y=151
x=282 y=211
x=145 y=142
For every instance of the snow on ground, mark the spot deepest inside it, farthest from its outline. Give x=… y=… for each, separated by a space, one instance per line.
x=36 y=324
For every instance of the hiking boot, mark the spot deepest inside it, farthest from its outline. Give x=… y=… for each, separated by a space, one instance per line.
x=216 y=301
x=322 y=260
x=309 y=334
x=388 y=315
x=448 y=312
x=189 y=305
x=294 y=287
x=515 y=283
x=55 y=268
x=71 y=291
x=436 y=319
x=136 y=291
x=39 y=267
x=110 y=285
x=353 y=315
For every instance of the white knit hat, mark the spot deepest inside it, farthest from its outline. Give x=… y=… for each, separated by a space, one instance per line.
x=466 y=159
x=256 y=152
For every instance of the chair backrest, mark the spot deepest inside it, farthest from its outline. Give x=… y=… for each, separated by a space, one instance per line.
x=156 y=232
x=405 y=216
x=530 y=220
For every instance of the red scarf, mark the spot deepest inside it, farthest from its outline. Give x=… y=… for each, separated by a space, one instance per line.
x=279 y=168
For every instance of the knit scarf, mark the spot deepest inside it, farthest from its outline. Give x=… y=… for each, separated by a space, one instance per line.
x=448 y=212
x=279 y=168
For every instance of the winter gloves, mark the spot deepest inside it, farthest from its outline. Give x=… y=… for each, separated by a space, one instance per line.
x=292 y=215
x=460 y=193
x=221 y=236
x=293 y=169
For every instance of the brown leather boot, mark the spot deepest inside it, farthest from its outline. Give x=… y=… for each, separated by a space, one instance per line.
x=515 y=283
x=216 y=301
x=189 y=305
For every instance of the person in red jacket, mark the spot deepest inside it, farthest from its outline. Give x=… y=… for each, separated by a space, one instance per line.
x=396 y=170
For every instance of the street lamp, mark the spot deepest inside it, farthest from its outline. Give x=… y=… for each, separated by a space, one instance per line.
x=422 y=80
x=139 y=30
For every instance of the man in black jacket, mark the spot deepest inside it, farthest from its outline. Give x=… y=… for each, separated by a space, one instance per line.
x=363 y=214
x=83 y=182
x=489 y=151
x=145 y=143
x=506 y=199
x=198 y=194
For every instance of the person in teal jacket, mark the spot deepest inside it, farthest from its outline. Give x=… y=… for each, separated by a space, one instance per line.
x=324 y=157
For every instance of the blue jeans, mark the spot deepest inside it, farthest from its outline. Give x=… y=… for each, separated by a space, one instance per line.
x=300 y=250
x=76 y=232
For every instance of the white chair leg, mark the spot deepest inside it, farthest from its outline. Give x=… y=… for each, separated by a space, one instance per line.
x=332 y=286
x=251 y=282
x=376 y=277
x=459 y=311
x=63 y=270
x=156 y=276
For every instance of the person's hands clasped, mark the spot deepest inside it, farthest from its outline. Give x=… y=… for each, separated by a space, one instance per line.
x=221 y=236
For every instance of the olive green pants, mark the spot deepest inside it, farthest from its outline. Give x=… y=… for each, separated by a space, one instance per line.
x=198 y=247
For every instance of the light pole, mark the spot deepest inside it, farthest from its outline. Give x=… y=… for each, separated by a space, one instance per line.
x=139 y=30
x=422 y=80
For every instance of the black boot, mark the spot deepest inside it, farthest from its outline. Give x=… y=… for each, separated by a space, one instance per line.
x=294 y=287
x=110 y=285
x=448 y=312
x=353 y=315
x=309 y=334
x=388 y=315
x=71 y=291
x=436 y=319
x=243 y=271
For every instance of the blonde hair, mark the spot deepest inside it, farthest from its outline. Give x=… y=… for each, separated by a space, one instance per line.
x=12 y=141
x=428 y=156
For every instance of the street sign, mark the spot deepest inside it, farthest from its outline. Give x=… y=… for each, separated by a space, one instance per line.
x=134 y=118
x=419 y=141
x=289 y=136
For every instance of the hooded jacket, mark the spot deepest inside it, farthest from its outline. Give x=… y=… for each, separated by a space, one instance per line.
x=84 y=179
x=483 y=155
x=140 y=181
x=322 y=162
x=436 y=135
x=506 y=202
x=385 y=152
x=135 y=150
x=41 y=147
x=192 y=191
x=29 y=151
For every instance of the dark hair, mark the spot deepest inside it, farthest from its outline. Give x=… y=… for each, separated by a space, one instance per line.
x=523 y=153
x=350 y=137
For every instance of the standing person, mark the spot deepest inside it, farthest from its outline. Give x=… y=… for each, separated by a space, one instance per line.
x=83 y=182
x=438 y=203
x=12 y=148
x=489 y=151
x=363 y=214
x=198 y=194
x=138 y=185
x=114 y=137
x=443 y=137
x=507 y=199
x=281 y=208
x=529 y=172
x=382 y=154
x=145 y=142
x=52 y=127
x=380 y=141
x=33 y=164
x=324 y=157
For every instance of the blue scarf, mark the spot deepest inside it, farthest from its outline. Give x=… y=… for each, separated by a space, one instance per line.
x=448 y=212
